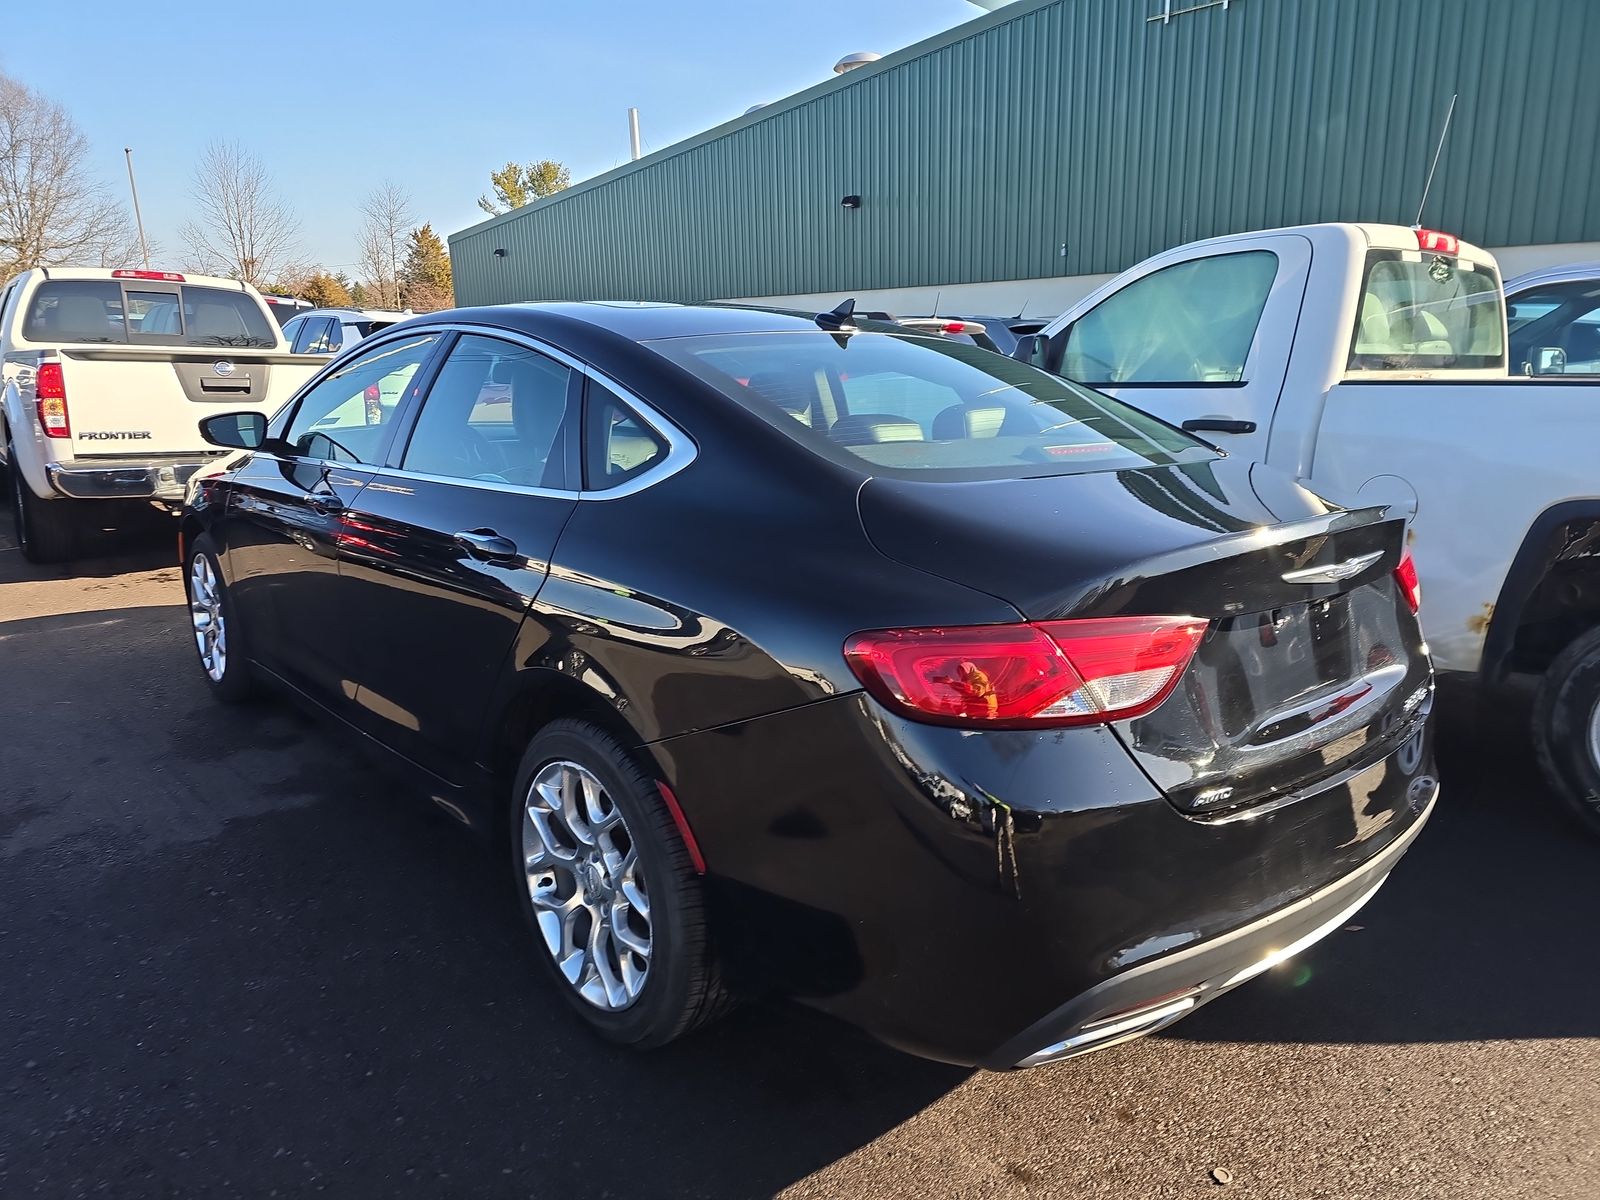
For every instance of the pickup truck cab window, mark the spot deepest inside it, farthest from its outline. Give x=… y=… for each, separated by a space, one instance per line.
x=1193 y=322
x=99 y=310
x=1426 y=312
x=348 y=415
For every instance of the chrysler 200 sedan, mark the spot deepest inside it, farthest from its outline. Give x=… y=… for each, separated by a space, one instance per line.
x=808 y=656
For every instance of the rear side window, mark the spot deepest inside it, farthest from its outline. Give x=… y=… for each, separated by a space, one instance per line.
x=928 y=407
x=96 y=310
x=1426 y=312
x=1193 y=322
x=617 y=444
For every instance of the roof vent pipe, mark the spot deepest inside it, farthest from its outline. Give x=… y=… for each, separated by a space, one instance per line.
x=850 y=62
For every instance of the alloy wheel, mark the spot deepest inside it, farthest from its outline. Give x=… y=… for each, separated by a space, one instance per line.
x=587 y=886
x=205 y=614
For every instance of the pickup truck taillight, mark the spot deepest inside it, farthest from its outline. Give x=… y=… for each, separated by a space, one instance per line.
x=50 y=398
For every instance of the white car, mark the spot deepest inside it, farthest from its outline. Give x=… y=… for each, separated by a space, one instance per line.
x=105 y=378
x=1371 y=362
x=330 y=330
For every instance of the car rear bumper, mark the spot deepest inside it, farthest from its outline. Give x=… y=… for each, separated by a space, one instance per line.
x=1153 y=996
x=980 y=898
x=123 y=479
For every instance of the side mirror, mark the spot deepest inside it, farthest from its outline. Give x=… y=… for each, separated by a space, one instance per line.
x=1548 y=360
x=1027 y=349
x=235 y=430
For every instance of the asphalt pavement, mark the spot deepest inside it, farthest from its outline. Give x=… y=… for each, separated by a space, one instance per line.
x=235 y=960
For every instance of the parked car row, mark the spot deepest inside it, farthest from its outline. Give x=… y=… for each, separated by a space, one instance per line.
x=839 y=656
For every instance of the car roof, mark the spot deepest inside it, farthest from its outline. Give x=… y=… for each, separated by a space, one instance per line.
x=367 y=314
x=638 y=321
x=1545 y=276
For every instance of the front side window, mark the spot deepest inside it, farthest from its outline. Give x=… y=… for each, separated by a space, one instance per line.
x=929 y=408
x=1426 y=312
x=101 y=310
x=1556 y=332
x=1193 y=322
x=345 y=417
x=493 y=414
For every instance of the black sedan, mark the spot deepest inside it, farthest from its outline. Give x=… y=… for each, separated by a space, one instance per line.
x=816 y=657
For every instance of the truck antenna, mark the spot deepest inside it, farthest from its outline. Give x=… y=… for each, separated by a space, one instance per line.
x=1437 y=151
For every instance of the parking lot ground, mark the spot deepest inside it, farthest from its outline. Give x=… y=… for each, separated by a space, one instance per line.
x=234 y=960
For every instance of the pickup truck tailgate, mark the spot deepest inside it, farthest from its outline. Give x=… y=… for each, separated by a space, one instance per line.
x=132 y=400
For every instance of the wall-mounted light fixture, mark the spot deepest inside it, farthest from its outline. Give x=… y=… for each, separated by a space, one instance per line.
x=500 y=253
x=850 y=202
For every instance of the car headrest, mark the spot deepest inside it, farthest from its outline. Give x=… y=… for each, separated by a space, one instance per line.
x=959 y=422
x=861 y=429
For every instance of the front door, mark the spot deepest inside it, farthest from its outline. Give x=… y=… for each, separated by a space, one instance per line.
x=1199 y=342
x=444 y=551
x=286 y=515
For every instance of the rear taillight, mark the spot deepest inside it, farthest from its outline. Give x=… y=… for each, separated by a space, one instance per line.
x=50 y=399
x=1038 y=675
x=1410 y=587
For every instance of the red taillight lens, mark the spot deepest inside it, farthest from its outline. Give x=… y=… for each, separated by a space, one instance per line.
x=1410 y=587
x=1439 y=243
x=1049 y=673
x=165 y=276
x=50 y=399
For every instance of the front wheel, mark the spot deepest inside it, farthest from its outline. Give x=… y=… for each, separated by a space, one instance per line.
x=1566 y=728
x=609 y=890
x=218 y=636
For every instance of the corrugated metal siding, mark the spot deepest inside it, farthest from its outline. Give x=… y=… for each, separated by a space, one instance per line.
x=1077 y=123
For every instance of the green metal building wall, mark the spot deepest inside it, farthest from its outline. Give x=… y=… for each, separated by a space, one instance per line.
x=1069 y=137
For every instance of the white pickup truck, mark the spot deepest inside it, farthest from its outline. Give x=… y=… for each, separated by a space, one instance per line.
x=105 y=377
x=1369 y=362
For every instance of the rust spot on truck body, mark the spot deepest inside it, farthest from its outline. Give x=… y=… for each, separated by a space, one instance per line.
x=1479 y=624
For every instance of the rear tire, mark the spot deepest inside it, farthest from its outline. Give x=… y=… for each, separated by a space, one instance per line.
x=1566 y=728
x=48 y=531
x=220 y=641
x=627 y=870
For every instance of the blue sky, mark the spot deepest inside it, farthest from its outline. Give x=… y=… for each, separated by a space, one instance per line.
x=337 y=95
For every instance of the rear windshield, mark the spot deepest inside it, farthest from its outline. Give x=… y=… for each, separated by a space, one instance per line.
x=1427 y=312
x=102 y=310
x=928 y=407
x=368 y=328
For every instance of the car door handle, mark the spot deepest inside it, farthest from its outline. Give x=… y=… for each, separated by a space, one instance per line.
x=326 y=503
x=486 y=545
x=1216 y=425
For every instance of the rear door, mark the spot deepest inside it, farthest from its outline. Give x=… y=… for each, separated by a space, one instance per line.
x=445 y=549
x=288 y=511
x=1201 y=342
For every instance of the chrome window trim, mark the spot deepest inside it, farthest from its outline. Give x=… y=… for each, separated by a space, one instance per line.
x=681 y=449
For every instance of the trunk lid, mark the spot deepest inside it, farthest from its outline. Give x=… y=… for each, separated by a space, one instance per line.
x=1312 y=666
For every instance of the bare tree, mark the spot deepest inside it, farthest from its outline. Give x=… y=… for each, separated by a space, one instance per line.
x=52 y=210
x=243 y=229
x=386 y=225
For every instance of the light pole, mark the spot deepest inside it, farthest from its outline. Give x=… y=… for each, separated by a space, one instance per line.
x=144 y=246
